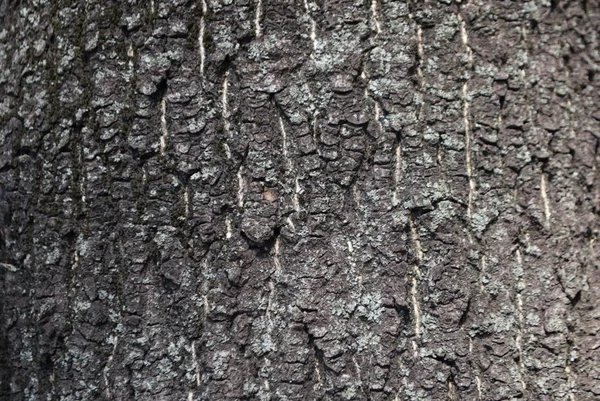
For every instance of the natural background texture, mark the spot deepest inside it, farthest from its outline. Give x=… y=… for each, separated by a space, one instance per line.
x=299 y=200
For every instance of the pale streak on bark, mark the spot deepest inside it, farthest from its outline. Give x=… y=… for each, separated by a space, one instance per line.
x=421 y=53
x=269 y=302
x=257 y=18
x=313 y=29
x=9 y=267
x=224 y=104
x=276 y=255
x=107 y=368
x=295 y=199
x=241 y=187
x=201 y=44
x=319 y=382
x=196 y=365
x=468 y=149
x=206 y=304
x=477 y=379
x=268 y=315
x=290 y=166
x=291 y=224
x=414 y=291
x=465 y=38
x=482 y=273
x=151 y=6
x=570 y=374
x=130 y=55
x=285 y=147
x=467 y=123
x=186 y=201
x=521 y=317
x=397 y=173
x=356 y=196
x=228 y=227
x=73 y=269
x=415 y=349
x=227 y=150
x=163 y=125
x=84 y=175
x=451 y=391
x=375 y=16
x=545 y=199
x=416 y=242
x=358 y=373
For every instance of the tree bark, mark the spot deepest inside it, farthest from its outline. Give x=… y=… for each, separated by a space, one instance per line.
x=299 y=200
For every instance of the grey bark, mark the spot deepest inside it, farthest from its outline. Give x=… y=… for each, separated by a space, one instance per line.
x=299 y=200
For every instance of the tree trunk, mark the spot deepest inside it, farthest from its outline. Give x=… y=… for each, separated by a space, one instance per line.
x=299 y=200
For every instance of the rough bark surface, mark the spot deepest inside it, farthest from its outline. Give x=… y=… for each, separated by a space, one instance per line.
x=299 y=200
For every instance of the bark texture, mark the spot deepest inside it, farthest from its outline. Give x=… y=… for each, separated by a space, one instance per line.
x=299 y=200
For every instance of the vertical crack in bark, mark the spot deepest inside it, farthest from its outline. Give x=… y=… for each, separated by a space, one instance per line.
x=466 y=120
x=545 y=199
x=163 y=124
x=201 y=38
